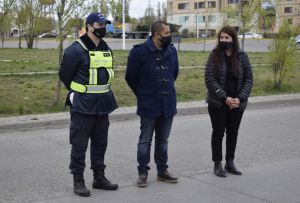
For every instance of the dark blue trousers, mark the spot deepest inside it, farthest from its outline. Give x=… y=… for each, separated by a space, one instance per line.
x=162 y=127
x=82 y=129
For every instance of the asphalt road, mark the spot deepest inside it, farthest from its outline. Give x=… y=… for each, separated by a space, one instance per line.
x=34 y=163
x=116 y=44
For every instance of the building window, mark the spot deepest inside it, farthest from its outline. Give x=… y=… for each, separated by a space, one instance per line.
x=288 y=9
x=183 y=6
x=201 y=19
x=199 y=5
x=233 y=1
x=184 y=19
x=212 y=19
x=290 y=21
x=211 y=4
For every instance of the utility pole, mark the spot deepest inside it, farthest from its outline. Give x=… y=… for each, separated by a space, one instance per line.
x=149 y=7
x=197 y=32
x=206 y=25
x=197 y=15
x=123 y=26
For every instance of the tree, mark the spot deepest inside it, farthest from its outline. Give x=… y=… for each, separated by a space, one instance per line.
x=174 y=28
x=164 y=12
x=32 y=13
x=5 y=7
x=247 y=15
x=5 y=18
x=65 y=9
x=283 y=53
x=20 y=22
x=101 y=6
x=158 y=11
x=149 y=17
x=268 y=18
x=5 y=27
x=116 y=10
x=127 y=7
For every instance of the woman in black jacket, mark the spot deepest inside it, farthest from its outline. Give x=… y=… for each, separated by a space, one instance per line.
x=228 y=78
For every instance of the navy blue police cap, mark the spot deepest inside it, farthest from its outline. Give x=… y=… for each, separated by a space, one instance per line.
x=96 y=18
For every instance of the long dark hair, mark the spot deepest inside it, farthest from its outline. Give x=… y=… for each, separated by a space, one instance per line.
x=234 y=50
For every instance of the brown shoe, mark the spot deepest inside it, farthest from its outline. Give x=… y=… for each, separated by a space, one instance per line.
x=142 y=181
x=167 y=177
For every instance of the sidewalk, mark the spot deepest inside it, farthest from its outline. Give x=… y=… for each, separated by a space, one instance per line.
x=129 y=113
x=277 y=182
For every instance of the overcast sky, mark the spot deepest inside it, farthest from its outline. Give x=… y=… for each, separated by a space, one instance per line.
x=138 y=7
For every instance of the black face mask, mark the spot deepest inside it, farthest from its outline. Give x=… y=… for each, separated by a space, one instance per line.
x=166 y=41
x=226 y=45
x=99 y=32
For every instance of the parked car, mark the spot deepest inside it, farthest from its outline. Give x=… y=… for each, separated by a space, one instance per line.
x=48 y=35
x=251 y=35
x=297 y=40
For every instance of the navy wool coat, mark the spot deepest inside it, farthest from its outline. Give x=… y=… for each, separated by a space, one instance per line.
x=151 y=73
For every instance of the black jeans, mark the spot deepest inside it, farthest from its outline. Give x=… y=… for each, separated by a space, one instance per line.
x=221 y=119
x=84 y=127
x=162 y=127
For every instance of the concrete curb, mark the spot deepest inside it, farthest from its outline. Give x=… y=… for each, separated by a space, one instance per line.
x=129 y=113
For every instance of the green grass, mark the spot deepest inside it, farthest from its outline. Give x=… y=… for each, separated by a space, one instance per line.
x=34 y=94
x=39 y=60
x=28 y=95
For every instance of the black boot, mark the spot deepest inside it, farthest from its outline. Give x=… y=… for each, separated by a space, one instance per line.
x=101 y=182
x=79 y=186
x=218 y=169
x=230 y=167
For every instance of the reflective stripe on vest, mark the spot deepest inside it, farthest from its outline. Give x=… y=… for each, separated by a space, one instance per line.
x=89 y=88
x=98 y=59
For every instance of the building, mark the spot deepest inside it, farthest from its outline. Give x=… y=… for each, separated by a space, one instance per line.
x=200 y=17
x=288 y=10
x=204 y=17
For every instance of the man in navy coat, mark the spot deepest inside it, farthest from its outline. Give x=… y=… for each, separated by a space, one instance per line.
x=151 y=72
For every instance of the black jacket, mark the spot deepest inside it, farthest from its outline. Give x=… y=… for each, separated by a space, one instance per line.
x=215 y=78
x=75 y=67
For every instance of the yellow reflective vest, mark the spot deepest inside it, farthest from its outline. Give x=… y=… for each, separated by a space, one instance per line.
x=98 y=59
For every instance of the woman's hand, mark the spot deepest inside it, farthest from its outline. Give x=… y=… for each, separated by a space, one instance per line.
x=232 y=103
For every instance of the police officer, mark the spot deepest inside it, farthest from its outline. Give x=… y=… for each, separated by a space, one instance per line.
x=87 y=70
x=151 y=72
